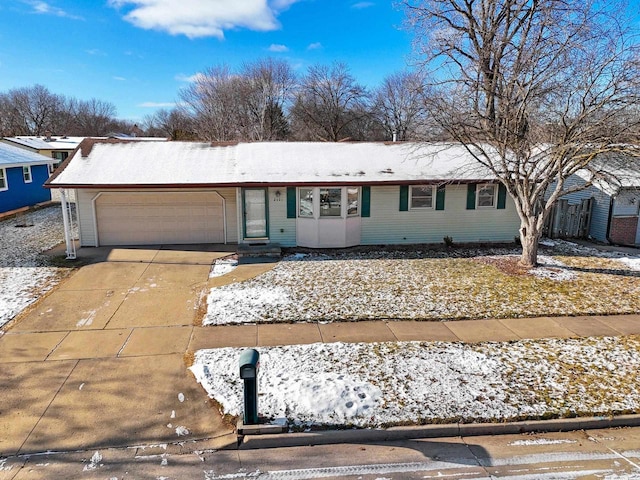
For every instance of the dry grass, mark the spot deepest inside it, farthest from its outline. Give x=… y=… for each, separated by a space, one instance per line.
x=422 y=286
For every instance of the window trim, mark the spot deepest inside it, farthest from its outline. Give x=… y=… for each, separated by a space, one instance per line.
x=3 y=177
x=494 y=202
x=433 y=197
x=27 y=175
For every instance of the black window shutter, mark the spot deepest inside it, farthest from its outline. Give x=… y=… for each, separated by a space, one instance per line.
x=404 y=198
x=366 y=202
x=291 y=202
x=502 y=196
x=440 y=197
x=471 y=196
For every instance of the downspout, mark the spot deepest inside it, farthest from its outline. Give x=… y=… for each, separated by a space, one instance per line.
x=95 y=219
x=66 y=220
x=609 y=219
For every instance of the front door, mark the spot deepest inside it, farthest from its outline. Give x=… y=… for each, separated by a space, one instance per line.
x=255 y=212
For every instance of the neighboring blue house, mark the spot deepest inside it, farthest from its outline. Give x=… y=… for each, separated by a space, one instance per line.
x=22 y=174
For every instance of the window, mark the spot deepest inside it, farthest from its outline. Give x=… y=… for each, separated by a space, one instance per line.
x=60 y=157
x=486 y=197
x=305 y=204
x=3 y=180
x=330 y=202
x=352 y=201
x=26 y=174
x=422 y=196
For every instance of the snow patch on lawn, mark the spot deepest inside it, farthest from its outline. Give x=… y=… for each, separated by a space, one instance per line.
x=549 y=267
x=631 y=262
x=24 y=276
x=222 y=267
x=381 y=384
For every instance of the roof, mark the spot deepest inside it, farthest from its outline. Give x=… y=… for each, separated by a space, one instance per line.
x=11 y=156
x=179 y=164
x=41 y=143
x=613 y=173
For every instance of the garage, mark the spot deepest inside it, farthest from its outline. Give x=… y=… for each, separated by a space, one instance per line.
x=138 y=218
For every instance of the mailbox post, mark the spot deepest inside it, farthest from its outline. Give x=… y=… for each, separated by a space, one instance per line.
x=249 y=363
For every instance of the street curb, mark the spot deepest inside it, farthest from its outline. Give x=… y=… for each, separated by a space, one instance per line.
x=328 y=437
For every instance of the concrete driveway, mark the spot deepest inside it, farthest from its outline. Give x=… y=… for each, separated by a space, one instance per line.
x=100 y=360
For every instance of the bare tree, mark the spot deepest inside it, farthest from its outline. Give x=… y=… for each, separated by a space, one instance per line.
x=267 y=89
x=91 y=117
x=398 y=105
x=173 y=124
x=535 y=89
x=212 y=103
x=33 y=110
x=328 y=101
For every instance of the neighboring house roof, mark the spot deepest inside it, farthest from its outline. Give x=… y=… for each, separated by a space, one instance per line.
x=148 y=164
x=11 y=156
x=43 y=143
x=619 y=173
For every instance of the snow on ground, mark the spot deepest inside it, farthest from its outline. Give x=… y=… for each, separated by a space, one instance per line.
x=24 y=276
x=382 y=384
x=431 y=285
x=222 y=267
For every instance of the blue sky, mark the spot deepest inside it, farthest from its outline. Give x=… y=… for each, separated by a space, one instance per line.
x=137 y=54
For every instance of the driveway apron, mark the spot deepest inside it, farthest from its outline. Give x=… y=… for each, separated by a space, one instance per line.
x=100 y=360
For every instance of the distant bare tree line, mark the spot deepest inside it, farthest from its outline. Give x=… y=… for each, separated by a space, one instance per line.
x=265 y=100
x=35 y=110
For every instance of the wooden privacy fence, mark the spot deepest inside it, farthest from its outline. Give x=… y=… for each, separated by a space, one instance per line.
x=569 y=220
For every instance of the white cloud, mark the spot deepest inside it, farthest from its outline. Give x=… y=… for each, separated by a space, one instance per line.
x=157 y=104
x=314 y=46
x=203 y=18
x=120 y=79
x=361 y=5
x=274 y=47
x=43 y=8
x=95 y=51
x=181 y=77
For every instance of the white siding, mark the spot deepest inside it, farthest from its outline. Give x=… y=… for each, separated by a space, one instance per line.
x=86 y=220
x=282 y=230
x=388 y=225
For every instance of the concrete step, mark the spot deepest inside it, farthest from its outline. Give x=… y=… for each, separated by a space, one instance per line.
x=271 y=250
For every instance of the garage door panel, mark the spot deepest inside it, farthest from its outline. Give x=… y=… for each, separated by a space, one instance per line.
x=154 y=218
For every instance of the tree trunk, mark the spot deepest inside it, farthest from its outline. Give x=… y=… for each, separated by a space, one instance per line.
x=530 y=238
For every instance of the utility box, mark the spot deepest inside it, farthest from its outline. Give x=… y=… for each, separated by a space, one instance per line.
x=249 y=365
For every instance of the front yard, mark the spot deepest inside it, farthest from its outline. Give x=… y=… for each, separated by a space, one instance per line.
x=436 y=284
x=382 y=384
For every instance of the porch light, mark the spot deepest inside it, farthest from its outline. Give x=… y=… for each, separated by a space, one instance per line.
x=277 y=194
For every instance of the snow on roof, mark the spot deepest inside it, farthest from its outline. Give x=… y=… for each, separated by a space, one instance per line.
x=11 y=156
x=619 y=172
x=194 y=163
x=42 y=143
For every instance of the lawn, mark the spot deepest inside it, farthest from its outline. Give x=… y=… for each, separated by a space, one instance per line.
x=25 y=273
x=432 y=284
x=401 y=383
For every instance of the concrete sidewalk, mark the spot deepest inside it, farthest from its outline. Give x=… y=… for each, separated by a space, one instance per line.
x=101 y=361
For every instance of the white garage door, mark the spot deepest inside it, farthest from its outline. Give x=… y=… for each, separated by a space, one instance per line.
x=157 y=218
